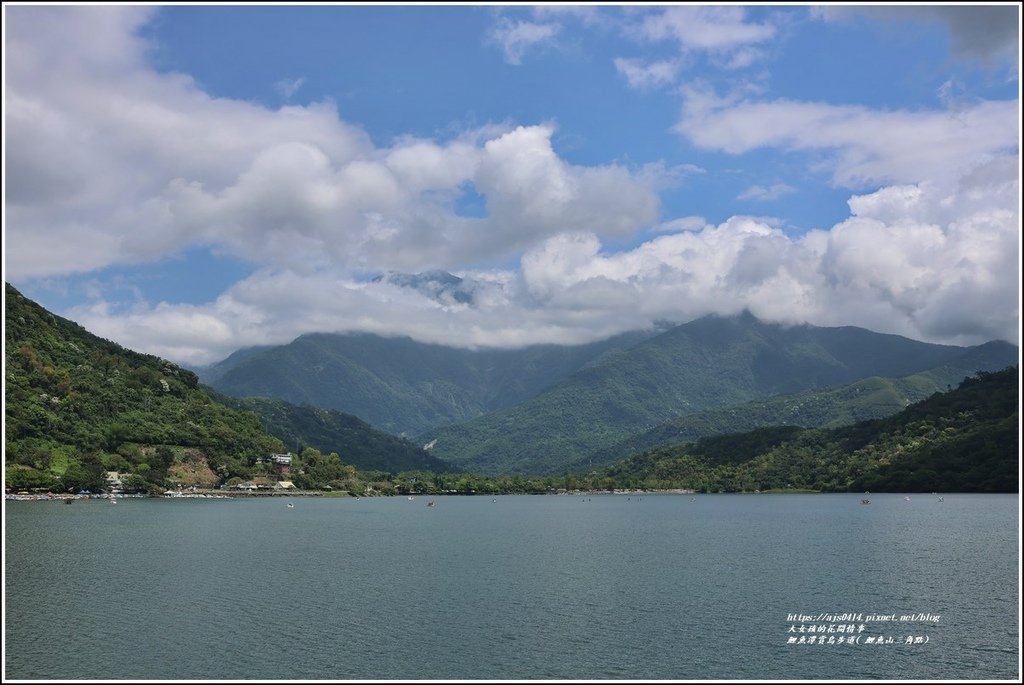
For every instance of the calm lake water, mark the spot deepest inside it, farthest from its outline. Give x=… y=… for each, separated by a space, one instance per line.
x=519 y=587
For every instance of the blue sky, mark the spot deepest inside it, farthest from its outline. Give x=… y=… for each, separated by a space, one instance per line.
x=189 y=180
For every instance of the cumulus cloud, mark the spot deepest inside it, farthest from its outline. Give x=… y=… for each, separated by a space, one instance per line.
x=109 y=162
x=928 y=261
x=116 y=163
x=532 y=192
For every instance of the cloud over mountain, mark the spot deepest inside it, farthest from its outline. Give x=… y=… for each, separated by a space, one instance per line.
x=112 y=162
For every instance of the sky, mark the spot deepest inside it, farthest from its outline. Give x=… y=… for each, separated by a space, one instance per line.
x=190 y=180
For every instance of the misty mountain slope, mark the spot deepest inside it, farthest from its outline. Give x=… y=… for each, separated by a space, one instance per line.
x=400 y=385
x=709 y=363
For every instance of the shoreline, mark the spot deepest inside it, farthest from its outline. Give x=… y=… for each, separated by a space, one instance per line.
x=220 y=494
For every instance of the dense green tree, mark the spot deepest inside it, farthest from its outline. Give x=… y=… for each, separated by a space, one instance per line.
x=76 y=404
x=965 y=440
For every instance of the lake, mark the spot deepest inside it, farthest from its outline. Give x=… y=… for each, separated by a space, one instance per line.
x=591 y=587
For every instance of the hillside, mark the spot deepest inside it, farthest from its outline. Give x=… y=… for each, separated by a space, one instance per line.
x=355 y=441
x=77 y=405
x=870 y=398
x=966 y=440
x=400 y=385
x=710 y=363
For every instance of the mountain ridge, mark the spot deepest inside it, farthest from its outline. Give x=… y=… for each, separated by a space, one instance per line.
x=866 y=399
x=327 y=430
x=398 y=384
x=963 y=440
x=78 y=405
x=709 y=363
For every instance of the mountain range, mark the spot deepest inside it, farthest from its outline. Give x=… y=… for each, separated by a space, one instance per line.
x=710 y=363
x=545 y=409
x=399 y=385
x=77 y=405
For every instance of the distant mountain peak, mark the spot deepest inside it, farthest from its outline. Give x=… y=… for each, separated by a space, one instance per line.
x=436 y=284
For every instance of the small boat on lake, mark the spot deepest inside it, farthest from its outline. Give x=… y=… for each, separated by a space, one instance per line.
x=291 y=506
x=430 y=503
x=865 y=501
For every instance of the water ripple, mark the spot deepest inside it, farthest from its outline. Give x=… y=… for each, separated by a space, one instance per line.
x=540 y=588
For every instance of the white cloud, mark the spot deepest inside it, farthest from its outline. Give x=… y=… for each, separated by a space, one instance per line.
x=721 y=33
x=111 y=163
x=588 y=15
x=117 y=164
x=711 y=28
x=928 y=261
x=532 y=192
x=867 y=146
x=686 y=223
x=516 y=36
x=541 y=27
x=649 y=75
x=765 y=194
x=743 y=58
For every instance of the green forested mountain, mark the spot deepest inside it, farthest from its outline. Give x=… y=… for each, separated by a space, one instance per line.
x=870 y=398
x=400 y=385
x=355 y=441
x=77 y=405
x=710 y=363
x=965 y=440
